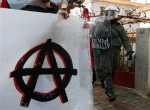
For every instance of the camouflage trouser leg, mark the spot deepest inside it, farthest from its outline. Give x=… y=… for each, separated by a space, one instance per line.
x=108 y=85
x=114 y=64
x=106 y=63
x=105 y=59
x=101 y=61
x=98 y=69
x=100 y=74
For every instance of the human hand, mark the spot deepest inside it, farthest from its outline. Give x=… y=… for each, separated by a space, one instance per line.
x=129 y=55
x=64 y=13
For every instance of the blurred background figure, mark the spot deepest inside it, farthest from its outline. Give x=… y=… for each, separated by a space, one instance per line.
x=45 y=6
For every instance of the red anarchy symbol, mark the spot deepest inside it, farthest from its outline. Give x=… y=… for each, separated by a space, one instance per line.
x=46 y=49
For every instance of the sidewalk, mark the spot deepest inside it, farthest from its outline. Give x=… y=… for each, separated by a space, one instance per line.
x=127 y=99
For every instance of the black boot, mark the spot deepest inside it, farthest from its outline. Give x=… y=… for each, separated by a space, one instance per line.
x=110 y=94
x=108 y=86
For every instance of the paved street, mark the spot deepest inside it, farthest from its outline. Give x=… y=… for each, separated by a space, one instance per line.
x=127 y=99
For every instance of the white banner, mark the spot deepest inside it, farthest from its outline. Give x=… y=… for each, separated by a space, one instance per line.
x=44 y=62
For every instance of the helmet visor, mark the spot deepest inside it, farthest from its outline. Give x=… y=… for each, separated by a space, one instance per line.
x=111 y=13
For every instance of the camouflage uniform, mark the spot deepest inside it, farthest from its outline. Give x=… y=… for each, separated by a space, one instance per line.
x=106 y=59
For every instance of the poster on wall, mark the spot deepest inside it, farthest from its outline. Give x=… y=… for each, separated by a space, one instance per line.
x=44 y=62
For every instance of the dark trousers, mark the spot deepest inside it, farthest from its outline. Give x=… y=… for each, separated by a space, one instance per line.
x=94 y=76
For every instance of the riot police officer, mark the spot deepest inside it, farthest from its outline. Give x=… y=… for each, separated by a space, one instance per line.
x=107 y=38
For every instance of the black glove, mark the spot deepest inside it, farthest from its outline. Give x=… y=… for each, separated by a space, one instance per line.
x=129 y=55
